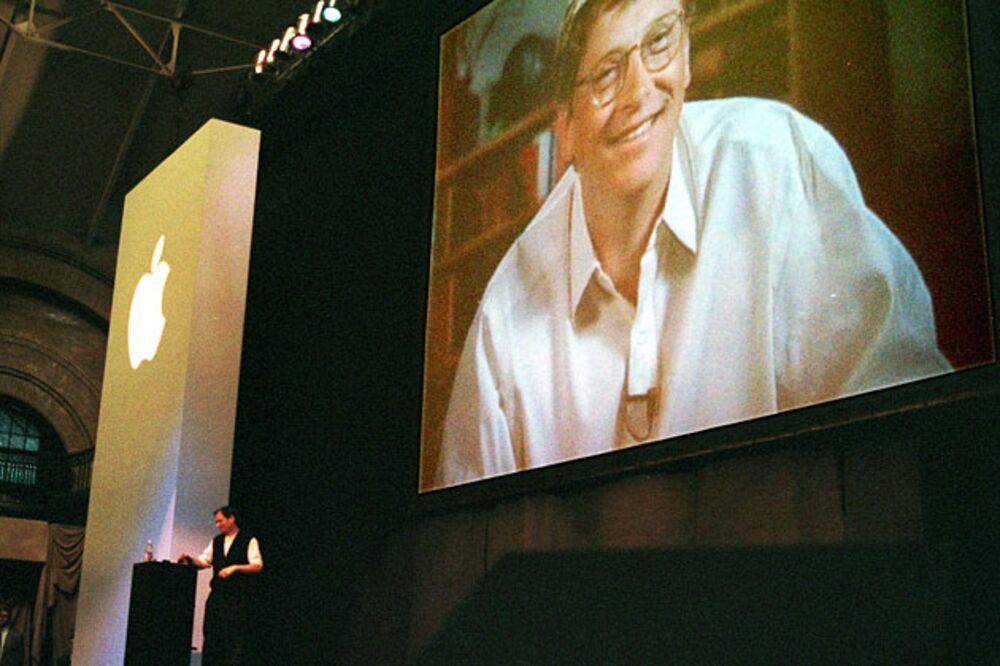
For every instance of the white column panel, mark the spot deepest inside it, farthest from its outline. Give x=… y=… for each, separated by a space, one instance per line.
x=165 y=434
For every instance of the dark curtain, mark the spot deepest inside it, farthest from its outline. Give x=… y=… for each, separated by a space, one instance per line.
x=55 y=604
x=17 y=582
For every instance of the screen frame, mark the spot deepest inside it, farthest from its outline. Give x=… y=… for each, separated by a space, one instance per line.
x=860 y=414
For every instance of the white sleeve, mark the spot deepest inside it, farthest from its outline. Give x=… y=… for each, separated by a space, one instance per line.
x=476 y=443
x=206 y=555
x=852 y=312
x=253 y=552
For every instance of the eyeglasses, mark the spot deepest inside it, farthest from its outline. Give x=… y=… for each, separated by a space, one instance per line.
x=658 y=48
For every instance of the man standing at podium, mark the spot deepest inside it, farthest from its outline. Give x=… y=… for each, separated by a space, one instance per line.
x=235 y=558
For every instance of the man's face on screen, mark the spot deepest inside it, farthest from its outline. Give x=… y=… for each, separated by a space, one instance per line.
x=626 y=106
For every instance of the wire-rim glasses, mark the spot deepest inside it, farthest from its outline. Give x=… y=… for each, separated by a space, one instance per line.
x=658 y=48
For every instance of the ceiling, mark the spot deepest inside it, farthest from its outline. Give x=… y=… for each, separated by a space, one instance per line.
x=86 y=110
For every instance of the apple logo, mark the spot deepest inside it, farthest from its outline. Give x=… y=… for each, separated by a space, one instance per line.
x=145 y=317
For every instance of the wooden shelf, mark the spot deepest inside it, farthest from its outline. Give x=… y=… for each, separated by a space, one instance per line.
x=526 y=128
x=470 y=250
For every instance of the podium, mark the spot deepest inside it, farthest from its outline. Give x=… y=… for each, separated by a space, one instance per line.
x=160 y=615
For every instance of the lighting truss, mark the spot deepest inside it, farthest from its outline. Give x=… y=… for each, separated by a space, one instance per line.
x=33 y=32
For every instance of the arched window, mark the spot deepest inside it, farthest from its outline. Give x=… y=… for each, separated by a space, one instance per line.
x=20 y=446
x=38 y=479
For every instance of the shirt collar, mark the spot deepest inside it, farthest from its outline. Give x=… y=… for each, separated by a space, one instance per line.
x=678 y=216
x=678 y=211
x=582 y=261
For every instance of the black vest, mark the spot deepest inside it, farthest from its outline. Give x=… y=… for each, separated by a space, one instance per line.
x=237 y=555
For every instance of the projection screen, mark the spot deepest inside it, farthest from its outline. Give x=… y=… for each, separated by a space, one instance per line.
x=657 y=217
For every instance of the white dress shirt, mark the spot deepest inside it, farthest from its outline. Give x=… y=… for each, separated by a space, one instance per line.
x=767 y=284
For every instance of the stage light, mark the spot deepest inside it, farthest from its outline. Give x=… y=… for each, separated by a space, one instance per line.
x=317 y=25
x=264 y=65
x=330 y=12
x=284 y=50
x=272 y=51
x=302 y=41
x=311 y=30
x=260 y=67
x=324 y=17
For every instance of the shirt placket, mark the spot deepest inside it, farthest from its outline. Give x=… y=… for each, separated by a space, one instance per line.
x=642 y=399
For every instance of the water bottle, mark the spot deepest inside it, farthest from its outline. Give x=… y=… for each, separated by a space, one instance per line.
x=149 y=551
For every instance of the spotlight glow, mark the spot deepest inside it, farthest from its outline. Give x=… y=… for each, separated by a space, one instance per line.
x=302 y=41
x=332 y=15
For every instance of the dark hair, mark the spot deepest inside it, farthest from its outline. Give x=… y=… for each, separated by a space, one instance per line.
x=579 y=18
x=227 y=511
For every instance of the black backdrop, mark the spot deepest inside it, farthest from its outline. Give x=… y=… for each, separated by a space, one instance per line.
x=329 y=406
x=328 y=422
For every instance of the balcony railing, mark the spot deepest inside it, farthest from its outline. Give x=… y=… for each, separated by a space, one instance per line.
x=45 y=486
